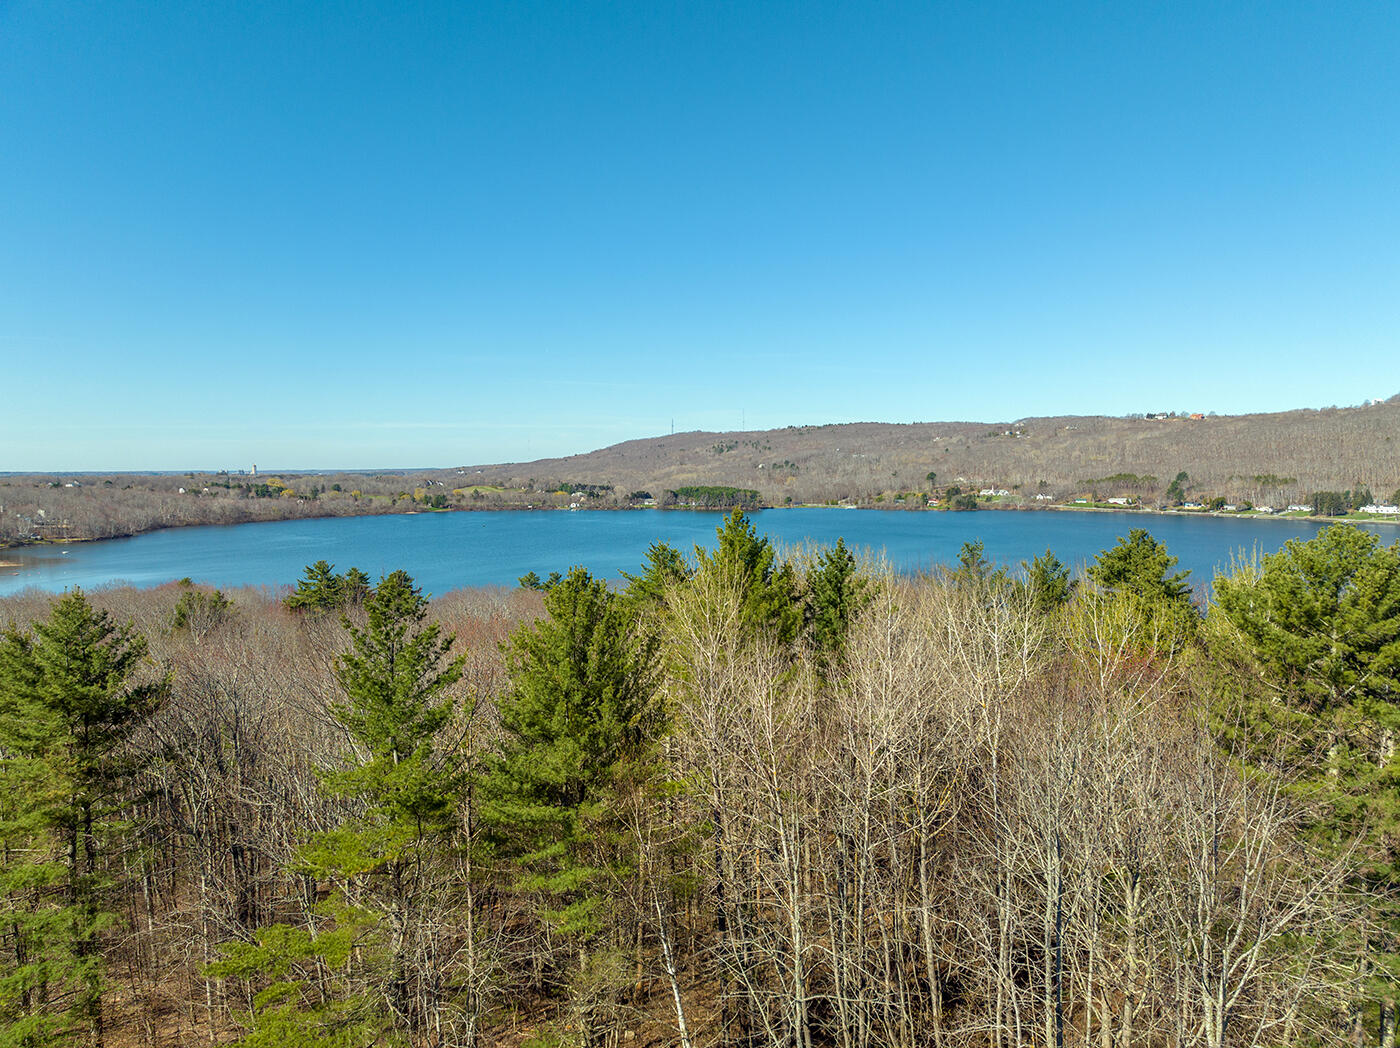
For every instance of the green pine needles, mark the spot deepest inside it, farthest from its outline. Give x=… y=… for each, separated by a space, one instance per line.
x=72 y=692
x=389 y=865
x=577 y=725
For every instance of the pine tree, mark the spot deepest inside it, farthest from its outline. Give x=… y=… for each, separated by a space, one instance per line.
x=386 y=863
x=975 y=571
x=354 y=587
x=836 y=593
x=321 y=589
x=665 y=567
x=577 y=720
x=68 y=706
x=1048 y=583
x=1324 y=614
x=1140 y=564
x=1322 y=619
x=1135 y=576
x=767 y=588
x=1176 y=490
x=40 y=976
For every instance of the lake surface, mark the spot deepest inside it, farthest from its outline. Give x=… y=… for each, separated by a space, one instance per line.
x=444 y=551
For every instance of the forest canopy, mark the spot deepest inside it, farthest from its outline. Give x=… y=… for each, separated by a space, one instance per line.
x=740 y=799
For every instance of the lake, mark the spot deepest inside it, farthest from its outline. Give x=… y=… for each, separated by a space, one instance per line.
x=445 y=551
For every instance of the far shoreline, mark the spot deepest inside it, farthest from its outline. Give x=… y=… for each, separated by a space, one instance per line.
x=1057 y=508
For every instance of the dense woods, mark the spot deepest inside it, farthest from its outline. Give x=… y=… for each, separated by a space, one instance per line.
x=1331 y=460
x=740 y=800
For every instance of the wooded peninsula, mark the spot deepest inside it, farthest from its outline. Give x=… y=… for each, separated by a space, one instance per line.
x=742 y=801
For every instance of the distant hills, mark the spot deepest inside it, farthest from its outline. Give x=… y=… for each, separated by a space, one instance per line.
x=1277 y=457
x=1266 y=459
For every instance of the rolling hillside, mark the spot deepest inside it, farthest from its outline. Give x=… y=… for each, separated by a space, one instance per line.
x=1279 y=457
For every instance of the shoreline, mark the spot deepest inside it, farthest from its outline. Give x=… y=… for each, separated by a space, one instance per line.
x=1142 y=510
x=1220 y=514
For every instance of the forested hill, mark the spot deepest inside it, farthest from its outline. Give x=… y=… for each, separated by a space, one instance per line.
x=1279 y=457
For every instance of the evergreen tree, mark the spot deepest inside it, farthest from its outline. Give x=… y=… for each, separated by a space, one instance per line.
x=665 y=567
x=354 y=587
x=1176 y=490
x=40 y=976
x=197 y=611
x=386 y=861
x=1324 y=615
x=312 y=995
x=320 y=590
x=768 y=589
x=1322 y=619
x=1048 y=583
x=577 y=719
x=836 y=593
x=69 y=702
x=1140 y=564
x=974 y=570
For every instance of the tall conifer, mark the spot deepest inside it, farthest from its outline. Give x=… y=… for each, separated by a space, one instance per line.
x=385 y=863
x=576 y=721
x=69 y=702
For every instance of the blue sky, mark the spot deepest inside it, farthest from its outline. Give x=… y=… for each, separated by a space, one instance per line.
x=389 y=234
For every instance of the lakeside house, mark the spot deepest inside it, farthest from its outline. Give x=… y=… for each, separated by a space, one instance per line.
x=1383 y=510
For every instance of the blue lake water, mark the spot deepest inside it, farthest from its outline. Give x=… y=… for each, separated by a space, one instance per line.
x=445 y=551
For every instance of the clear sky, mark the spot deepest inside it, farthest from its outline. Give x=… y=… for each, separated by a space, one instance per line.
x=386 y=234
